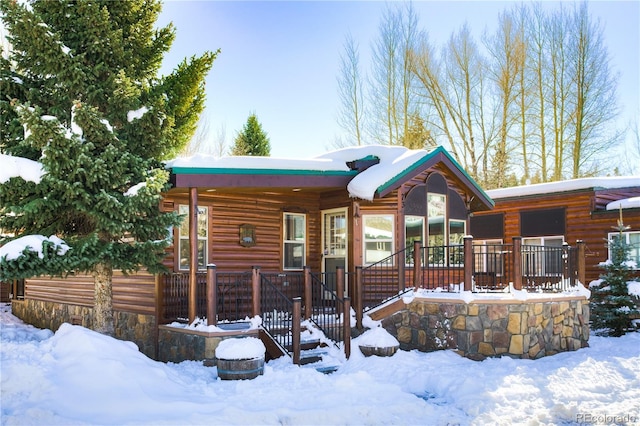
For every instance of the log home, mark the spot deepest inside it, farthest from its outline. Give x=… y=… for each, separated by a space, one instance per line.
x=259 y=234
x=557 y=213
x=348 y=208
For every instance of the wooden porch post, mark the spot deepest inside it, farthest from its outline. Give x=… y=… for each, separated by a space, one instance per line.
x=581 y=262
x=159 y=291
x=193 y=253
x=346 y=327
x=255 y=291
x=417 y=265
x=296 y=329
x=340 y=289
x=308 y=301
x=468 y=263
x=517 y=263
x=358 y=302
x=212 y=295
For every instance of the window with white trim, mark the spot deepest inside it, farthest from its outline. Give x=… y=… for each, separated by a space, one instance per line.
x=632 y=238
x=413 y=231
x=489 y=257
x=542 y=256
x=294 y=241
x=457 y=231
x=378 y=237
x=183 y=237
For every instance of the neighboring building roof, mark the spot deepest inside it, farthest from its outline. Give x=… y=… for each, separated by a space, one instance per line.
x=387 y=167
x=596 y=183
x=627 y=203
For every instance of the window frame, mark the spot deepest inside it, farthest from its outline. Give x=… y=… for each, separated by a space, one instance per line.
x=541 y=264
x=408 y=243
x=366 y=240
x=498 y=262
x=203 y=212
x=635 y=247
x=286 y=242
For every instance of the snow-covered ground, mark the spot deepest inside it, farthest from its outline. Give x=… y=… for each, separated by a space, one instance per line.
x=77 y=376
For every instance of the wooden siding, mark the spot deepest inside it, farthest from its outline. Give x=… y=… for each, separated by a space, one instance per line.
x=581 y=221
x=131 y=293
x=228 y=211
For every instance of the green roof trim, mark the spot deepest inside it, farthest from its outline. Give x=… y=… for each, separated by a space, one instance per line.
x=438 y=150
x=248 y=171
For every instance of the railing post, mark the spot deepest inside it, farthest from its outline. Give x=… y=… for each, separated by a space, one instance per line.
x=308 y=295
x=255 y=291
x=517 y=263
x=468 y=263
x=346 y=326
x=417 y=265
x=212 y=295
x=296 y=329
x=581 y=262
x=358 y=302
x=401 y=272
x=339 y=289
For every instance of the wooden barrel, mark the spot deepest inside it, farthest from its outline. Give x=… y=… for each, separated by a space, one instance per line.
x=240 y=369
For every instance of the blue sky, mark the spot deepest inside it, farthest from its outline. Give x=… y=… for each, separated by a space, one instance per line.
x=281 y=60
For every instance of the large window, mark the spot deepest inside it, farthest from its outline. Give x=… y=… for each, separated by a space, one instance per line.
x=633 y=239
x=295 y=240
x=378 y=237
x=414 y=231
x=456 y=241
x=488 y=257
x=542 y=256
x=183 y=237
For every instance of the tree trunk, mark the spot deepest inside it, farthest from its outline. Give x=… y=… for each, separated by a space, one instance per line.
x=103 y=301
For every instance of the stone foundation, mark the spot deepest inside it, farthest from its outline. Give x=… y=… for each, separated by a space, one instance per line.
x=180 y=344
x=480 y=329
x=138 y=328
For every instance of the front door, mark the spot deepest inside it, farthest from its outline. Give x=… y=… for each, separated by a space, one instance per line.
x=334 y=243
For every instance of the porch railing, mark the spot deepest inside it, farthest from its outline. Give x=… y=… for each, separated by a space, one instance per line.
x=233 y=296
x=470 y=267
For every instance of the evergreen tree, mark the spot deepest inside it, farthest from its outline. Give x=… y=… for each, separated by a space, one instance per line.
x=252 y=140
x=611 y=305
x=86 y=102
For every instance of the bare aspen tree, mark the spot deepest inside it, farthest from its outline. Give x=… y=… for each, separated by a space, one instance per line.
x=350 y=90
x=219 y=148
x=558 y=34
x=593 y=105
x=506 y=49
x=464 y=71
x=198 y=143
x=426 y=67
x=391 y=92
x=538 y=71
x=523 y=92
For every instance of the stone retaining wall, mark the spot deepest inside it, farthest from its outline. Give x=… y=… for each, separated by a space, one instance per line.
x=178 y=344
x=138 y=328
x=481 y=329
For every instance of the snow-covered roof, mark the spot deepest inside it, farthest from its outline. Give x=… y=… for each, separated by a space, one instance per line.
x=565 y=186
x=627 y=203
x=395 y=162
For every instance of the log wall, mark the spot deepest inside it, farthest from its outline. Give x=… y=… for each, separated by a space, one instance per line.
x=585 y=219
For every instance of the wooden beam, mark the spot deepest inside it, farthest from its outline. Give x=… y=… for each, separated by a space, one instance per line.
x=193 y=253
